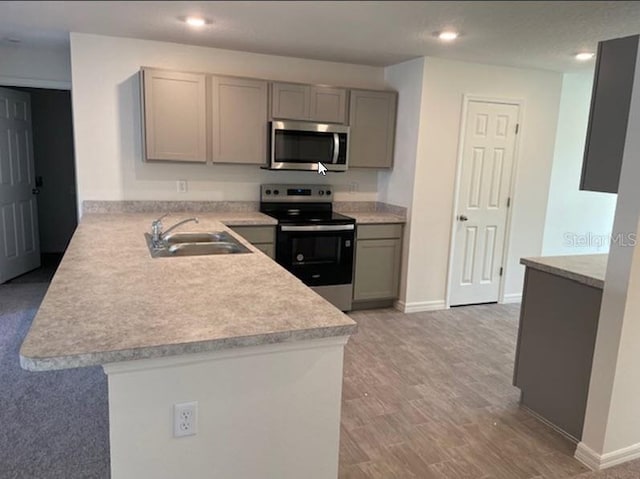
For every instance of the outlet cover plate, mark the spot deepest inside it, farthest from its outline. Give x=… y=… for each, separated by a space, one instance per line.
x=185 y=419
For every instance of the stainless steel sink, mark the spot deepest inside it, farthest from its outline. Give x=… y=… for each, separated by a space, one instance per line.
x=196 y=244
x=197 y=249
x=196 y=237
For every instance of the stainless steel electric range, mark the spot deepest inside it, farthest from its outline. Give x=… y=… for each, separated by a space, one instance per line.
x=312 y=241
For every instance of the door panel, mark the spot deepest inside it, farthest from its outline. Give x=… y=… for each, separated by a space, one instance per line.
x=175 y=116
x=19 y=241
x=328 y=105
x=485 y=177
x=239 y=120
x=372 y=117
x=290 y=101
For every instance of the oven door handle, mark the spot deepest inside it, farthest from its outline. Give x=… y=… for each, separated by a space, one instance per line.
x=336 y=148
x=318 y=228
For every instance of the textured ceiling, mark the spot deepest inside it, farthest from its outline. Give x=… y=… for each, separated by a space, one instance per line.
x=525 y=34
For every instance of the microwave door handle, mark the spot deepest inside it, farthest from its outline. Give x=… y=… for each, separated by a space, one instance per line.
x=336 y=148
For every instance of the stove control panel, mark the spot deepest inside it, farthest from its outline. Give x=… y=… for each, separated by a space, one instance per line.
x=296 y=193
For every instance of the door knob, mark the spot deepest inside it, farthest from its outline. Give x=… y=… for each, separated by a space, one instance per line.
x=462 y=218
x=35 y=191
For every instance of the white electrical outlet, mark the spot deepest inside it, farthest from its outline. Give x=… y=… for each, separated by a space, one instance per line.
x=182 y=186
x=185 y=419
x=353 y=187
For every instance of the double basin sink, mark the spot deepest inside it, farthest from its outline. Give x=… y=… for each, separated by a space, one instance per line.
x=195 y=244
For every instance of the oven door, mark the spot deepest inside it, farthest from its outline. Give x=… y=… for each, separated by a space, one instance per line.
x=302 y=145
x=319 y=255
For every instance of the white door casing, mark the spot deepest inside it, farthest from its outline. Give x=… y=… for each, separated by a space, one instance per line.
x=483 y=195
x=19 y=240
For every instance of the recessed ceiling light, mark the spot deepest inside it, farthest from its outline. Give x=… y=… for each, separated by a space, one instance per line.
x=195 y=21
x=584 y=56
x=448 y=35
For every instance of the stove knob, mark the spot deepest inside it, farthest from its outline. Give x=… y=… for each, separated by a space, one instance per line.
x=328 y=192
x=268 y=192
x=321 y=192
x=276 y=192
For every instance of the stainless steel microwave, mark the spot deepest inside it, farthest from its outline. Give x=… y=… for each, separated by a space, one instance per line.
x=301 y=145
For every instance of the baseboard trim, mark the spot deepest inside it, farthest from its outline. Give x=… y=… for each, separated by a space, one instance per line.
x=419 y=306
x=598 y=462
x=512 y=298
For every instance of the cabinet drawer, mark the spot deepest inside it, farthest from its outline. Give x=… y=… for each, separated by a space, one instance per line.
x=256 y=234
x=381 y=231
x=267 y=248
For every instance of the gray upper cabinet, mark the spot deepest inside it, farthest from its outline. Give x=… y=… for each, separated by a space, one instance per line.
x=610 y=103
x=292 y=101
x=328 y=105
x=239 y=120
x=372 y=117
x=174 y=115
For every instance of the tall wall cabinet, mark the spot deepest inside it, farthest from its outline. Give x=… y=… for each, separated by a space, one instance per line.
x=610 y=102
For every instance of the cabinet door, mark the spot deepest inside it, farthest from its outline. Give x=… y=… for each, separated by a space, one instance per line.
x=239 y=120
x=290 y=101
x=372 y=117
x=610 y=103
x=328 y=105
x=377 y=269
x=174 y=116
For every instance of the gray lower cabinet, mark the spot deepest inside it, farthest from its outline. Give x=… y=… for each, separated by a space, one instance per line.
x=372 y=118
x=608 y=118
x=377 y=262
x=293 y=101
x=174 y=118
x=556 y=341
x=262 y=237
x=239 y=120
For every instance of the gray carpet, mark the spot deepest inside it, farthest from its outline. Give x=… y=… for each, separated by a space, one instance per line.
x=52 y=424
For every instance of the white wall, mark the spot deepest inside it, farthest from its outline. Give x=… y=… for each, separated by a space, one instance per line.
x=578 y=222
x=22 y=65
x=107 y=121
x=396 y=186
x=444 y=85
x=612 y=419
x=269 y=411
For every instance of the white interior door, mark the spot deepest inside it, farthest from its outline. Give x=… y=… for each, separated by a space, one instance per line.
x=19 y=241
x=483 y=201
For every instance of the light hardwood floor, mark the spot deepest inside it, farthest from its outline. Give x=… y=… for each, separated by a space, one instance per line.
x=429 y=395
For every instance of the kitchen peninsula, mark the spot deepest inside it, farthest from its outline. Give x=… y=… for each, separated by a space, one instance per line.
x=259 y=351
x=556 y=338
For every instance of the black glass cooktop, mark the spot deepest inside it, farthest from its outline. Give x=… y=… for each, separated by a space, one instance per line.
x=294 y=215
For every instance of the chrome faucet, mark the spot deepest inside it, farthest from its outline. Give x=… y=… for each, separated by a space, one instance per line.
x=157 y=234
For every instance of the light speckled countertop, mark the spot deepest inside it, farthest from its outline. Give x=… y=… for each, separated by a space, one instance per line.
x=110 y=301
x=373 y=217
x=587 y=269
